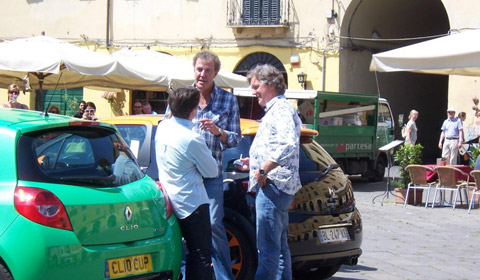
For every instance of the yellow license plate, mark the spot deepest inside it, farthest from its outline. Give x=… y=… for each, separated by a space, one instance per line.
x=126 y=266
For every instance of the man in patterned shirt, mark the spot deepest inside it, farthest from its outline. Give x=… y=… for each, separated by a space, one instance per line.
x=274 y=166
x=218 y=121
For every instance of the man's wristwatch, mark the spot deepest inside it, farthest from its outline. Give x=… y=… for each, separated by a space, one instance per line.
x=262 y=172
x=220 y=132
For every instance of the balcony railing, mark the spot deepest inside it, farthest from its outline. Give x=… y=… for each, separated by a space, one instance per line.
x=258 y=13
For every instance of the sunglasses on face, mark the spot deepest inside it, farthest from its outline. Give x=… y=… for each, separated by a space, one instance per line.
x=14 y=92
x=90 y=110
x=138 y=107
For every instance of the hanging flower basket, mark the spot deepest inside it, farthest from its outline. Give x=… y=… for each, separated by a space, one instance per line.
x=109 y=96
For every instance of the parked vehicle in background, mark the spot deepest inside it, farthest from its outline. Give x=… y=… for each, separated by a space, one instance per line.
x=351 y=127
x=325 y=228
x=74 y=204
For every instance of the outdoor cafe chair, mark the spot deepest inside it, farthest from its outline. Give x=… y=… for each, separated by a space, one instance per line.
x=451 y=179
x=476 y=190
x=418 y=180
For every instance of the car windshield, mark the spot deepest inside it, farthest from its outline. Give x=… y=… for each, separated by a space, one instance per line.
x=77 y=155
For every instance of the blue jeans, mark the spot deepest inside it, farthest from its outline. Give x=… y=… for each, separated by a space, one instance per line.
x=222 y=264
x=274 y=260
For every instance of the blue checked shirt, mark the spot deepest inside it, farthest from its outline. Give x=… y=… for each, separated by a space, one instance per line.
x=223 y=110
x=278 y=140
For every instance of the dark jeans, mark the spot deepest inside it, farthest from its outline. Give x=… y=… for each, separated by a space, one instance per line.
x=197 y=232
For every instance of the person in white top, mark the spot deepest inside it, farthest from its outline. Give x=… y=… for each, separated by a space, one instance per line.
x=412 y=130
x=183 y=160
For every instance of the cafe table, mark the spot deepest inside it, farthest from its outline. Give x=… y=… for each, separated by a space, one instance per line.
x=432 y=177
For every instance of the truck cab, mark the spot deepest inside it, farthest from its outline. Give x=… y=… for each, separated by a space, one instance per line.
x=351 y=126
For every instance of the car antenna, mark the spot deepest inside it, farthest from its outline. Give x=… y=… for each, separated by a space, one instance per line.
x=51 y=97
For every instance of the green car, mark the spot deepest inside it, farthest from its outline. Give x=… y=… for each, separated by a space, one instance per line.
x=74 y=204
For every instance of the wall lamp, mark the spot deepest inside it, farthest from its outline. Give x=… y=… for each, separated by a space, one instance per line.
x=302 y=79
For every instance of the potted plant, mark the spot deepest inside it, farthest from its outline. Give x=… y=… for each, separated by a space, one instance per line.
x=404 y=156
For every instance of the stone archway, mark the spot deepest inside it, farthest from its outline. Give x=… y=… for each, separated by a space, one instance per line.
x=249 y=107
x=372 y=26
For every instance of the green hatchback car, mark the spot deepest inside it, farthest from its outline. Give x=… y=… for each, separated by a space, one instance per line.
x=74 y=204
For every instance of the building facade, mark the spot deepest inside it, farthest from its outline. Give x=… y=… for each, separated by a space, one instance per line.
x=330 y=41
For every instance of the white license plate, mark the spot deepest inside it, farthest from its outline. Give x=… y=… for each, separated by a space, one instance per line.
x=328 y=235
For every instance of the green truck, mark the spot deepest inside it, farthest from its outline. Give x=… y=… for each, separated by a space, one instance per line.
x=351 y=127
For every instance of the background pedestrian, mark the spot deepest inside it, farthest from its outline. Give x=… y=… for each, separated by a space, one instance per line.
x=412 y=130
x=451 y=138
x=13 y=92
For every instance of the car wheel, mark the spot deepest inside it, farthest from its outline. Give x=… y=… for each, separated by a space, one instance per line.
x=379 y=171
x=242 y=252
x=320 y=273
x=4 y=273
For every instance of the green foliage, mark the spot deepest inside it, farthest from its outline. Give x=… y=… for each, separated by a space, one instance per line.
x=475 y=153
x=72 y=104
x=404 y=156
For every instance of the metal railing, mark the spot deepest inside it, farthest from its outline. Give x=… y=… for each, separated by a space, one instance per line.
x=258 y=13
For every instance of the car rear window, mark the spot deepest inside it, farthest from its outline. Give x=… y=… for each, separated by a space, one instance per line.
x=76 y=155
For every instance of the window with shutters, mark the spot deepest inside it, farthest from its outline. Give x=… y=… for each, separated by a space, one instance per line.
x=261 y=12
x=258 y=12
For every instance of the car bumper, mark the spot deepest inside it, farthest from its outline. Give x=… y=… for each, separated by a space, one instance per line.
x=57 y=254
x=308 y=252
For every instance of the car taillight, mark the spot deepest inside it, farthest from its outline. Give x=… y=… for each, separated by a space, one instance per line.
x=245 y=188
x=41 y=206
x=168 y=205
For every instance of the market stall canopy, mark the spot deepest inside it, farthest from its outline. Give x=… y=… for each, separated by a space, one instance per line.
x=41 y=60
x=455 y=54
x=44 y=62
x=163 y=69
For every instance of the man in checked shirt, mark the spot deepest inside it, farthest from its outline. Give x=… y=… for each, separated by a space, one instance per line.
x=218 y=121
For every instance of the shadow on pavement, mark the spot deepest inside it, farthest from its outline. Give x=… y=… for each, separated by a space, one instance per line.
x=355 y=270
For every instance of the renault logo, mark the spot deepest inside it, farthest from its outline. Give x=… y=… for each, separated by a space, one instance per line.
x=128 y=213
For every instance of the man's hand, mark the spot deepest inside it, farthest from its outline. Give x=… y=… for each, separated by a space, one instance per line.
x=245 y=166
x=209 y=125
x=261 y=179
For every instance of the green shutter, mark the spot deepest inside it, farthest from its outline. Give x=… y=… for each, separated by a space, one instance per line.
x=66 y=99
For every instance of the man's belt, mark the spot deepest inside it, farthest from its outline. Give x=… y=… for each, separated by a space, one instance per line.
x=451 y=138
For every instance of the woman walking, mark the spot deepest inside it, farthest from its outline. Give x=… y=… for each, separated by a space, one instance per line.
x=412 y=128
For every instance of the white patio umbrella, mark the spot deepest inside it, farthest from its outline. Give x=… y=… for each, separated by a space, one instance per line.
x=46 y=63
x=167 y=70
x=456 y=54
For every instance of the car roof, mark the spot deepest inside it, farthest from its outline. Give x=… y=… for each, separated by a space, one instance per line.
x=30 y=120
x=247 y=126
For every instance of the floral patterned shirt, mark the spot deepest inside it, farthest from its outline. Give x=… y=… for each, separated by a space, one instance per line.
x=278 y=140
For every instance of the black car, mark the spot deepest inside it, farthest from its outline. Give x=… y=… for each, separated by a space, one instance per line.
x=325 y=228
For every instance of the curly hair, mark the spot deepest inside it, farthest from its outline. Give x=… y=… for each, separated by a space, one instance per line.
x=268 y=75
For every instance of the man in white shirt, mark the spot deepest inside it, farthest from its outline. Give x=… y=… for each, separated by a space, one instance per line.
x=183 y=158
x=274 y=171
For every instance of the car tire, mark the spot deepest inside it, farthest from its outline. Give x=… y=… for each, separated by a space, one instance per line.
x=379 y=171
x=4 y=273
x=320 y=273
x=241 y=252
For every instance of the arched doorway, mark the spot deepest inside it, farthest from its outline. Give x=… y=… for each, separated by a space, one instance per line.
x=372 y=26
x=249 y=107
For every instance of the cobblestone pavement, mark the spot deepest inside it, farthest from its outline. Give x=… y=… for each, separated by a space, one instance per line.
x=413 y=242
